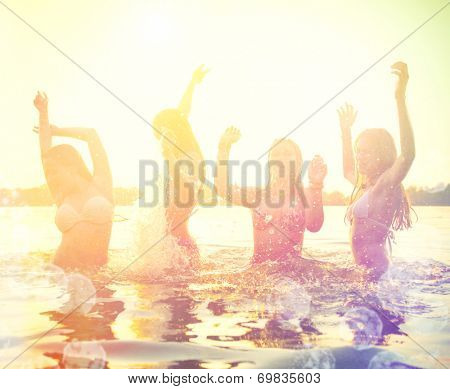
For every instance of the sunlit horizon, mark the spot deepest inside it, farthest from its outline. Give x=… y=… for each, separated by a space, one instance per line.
x=271 y=67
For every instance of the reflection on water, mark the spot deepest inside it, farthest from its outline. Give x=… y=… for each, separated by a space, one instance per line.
x=226 y=313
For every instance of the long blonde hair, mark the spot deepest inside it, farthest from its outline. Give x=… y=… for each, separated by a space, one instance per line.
x=299 y=162
x=183 y=145
x=180 y=133
x=386 y=153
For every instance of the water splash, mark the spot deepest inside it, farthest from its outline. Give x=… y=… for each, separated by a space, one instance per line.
x=362 y=327
x=156 y=250
x=81 y=295
x=290 y=299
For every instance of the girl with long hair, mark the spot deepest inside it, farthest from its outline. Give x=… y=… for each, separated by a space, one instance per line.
x=378 y=203
x=184 y=158
x=283 y=209
x=84 y=199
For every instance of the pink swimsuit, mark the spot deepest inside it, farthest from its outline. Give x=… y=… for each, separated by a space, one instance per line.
x=290 y=225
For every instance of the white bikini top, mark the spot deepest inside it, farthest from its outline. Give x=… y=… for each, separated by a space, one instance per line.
x=96 y=210
x=360 y=210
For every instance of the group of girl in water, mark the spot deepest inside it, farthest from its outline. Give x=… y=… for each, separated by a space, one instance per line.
x=378 y=204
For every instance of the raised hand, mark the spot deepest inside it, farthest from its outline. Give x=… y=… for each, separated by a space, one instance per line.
x=41 y=101
x=317 y=170
x=400 y=69
x=199 y=74
x=230 y=136
x=347 y=116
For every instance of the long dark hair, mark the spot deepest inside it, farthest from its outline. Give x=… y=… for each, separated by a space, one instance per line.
x=386 y=153
x=67 y=156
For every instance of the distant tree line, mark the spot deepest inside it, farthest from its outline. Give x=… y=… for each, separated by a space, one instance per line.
x=40 y=196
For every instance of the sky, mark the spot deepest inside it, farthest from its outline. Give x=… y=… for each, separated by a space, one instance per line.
x=273 y=63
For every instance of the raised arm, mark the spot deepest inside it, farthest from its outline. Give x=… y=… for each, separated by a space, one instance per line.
x=314 y=213
x=186 y=101
x=347 y=116
x=102 y=171
x=395 y=175
x=45 y=134
x=231 y=193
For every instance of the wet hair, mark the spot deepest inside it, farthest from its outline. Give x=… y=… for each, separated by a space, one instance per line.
x=385 y=153
x=295 y=149
x=67 y=156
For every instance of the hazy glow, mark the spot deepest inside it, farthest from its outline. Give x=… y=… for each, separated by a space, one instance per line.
x=272 y=64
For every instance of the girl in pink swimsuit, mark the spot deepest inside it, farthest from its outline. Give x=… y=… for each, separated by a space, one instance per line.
x=84 y=199
x=378 y=203
x=283 y=209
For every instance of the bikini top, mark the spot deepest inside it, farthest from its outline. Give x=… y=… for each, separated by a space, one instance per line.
x=96 y=210
x=291 y=219
x=360 y=210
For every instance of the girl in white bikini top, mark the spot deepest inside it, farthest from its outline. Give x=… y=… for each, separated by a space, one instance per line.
x=69 y=178
x=360 y=210
x=97 y=210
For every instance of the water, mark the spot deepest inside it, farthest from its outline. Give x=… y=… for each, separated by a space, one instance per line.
x=225 y=313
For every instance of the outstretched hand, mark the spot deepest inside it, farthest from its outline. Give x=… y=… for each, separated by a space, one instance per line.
x=400 y=69
x=347 y=115
x=41 y=101
x=317 y=170
x=199 y=74
x=230 y=136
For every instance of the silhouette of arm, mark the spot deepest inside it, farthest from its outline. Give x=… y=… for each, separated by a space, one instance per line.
x=395 y=175
x=233 y=194
x=347 y=116
x=314 y=213
x=45 y=134
x=186 y=101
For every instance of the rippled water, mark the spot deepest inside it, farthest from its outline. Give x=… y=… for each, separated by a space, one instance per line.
x=223 y=313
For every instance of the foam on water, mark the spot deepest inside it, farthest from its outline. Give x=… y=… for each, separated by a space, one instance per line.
x=362 y=327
